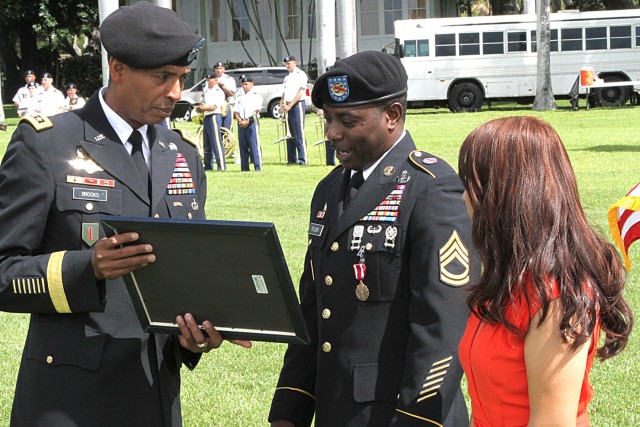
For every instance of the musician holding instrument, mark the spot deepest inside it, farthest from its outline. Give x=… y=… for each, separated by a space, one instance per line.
x=247 y=114
x=213 y=100
x=294 y=107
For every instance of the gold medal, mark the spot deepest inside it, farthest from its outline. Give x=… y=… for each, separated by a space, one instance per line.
x=362 y=291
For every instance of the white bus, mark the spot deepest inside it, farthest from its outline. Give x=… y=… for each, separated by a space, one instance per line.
x=463 y=62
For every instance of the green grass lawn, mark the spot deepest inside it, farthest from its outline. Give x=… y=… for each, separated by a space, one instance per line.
x=233 y=386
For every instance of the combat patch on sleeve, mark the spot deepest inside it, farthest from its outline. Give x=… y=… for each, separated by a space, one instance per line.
x=454 y=262
x=38 y=122
x=421 y=160
x=185 y=136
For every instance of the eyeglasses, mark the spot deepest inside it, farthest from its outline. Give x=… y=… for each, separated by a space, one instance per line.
x=196 y=48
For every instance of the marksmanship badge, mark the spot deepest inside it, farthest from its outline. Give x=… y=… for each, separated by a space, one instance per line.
x=338 y=88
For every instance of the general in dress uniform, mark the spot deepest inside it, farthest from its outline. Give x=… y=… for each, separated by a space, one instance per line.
x=389 y=258
x=87 y=361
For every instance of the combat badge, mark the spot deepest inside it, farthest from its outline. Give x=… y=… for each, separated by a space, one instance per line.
x=454 y=262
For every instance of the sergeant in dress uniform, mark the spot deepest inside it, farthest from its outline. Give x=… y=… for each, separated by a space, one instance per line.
x=51 y=99
x=73 y=101
x=23 y=93
x=389 y=257
x=247 y=113
x=87 y=361
x=228 y=86
x=213 y=100
x=295 y=107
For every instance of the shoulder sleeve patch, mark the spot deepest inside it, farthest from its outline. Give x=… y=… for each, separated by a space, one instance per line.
x=186 y=136
x=38 y=122
x=421 y=160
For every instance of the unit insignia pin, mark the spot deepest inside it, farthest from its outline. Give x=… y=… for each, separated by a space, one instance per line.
x=429 y=160
x=194 y=205
x=173 y=146
x=389 y=170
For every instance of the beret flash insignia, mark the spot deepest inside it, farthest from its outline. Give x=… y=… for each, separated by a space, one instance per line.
x=338 y=88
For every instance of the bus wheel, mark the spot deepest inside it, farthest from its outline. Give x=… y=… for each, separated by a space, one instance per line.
x=611 y=96
x=465 y=97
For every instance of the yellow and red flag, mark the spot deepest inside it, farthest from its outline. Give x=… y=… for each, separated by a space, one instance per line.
x=624 y=222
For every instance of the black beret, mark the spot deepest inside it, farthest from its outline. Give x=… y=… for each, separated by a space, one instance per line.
x=244 y=78
x=289 y=58
x=29 y=73
x=32 y=84
x=218 y=64
x=363 y=78
x=72 y=86
x=47 y=76
x=147 y=36
x=211 y=76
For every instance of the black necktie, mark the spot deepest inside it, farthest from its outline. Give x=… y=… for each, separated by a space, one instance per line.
x=352 y=189
x=138 y=159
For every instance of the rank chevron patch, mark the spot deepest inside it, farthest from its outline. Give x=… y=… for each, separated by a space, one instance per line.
x=454 y=262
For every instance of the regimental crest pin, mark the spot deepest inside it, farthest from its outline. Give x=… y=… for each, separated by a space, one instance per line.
x=454 y=262
x=338 y=88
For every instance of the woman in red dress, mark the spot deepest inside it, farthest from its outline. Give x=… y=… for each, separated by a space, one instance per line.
x=550 y=285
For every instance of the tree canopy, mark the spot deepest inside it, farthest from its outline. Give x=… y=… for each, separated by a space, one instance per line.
x=55 y=36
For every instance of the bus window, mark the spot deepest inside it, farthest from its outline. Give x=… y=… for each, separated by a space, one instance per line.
x=553 y=41
x=620 y=37
x=409 y=48
x=595 y=38
x=638 y=36
x=517 y=41
x=423 y=47
x=571 y=39
x=492 y=42
x=445 y=45
x=469 y=44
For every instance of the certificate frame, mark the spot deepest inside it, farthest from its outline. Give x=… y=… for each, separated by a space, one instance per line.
x=232 y=273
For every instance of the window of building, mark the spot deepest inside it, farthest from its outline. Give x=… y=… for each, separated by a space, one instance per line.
x=265 y=20
x=595 y=38
x=293 y=19
x=517 y=41
x=445 y=44
x=392 y=12
x=571 y=39
x=417 y=9
x=492 y=42
x=369 y=18
x=241 y=23
x=217 y=27
x=620 y=37
x=553 y=42
x=469 y=44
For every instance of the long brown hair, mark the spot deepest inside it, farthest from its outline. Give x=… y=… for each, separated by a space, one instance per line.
x=529 y=226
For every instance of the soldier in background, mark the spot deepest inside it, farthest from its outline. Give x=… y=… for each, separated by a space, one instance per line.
x=51 y=99
x=73 y=101
x=247 y=113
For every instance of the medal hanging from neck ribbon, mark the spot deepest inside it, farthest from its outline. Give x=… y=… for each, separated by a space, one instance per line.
x=362 y=291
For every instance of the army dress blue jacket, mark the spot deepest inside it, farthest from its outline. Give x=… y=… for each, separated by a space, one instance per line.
x=86 y=360
x=384 y=336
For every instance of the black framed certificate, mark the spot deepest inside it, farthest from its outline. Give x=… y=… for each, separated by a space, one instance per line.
x=231 y=273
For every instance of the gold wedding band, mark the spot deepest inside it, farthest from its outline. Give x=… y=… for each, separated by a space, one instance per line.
x=203 y=346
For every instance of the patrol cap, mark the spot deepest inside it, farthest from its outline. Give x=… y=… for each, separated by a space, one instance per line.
x=32 y=84
x=363 y=78
x=289 y=58
x=72 y=86
x=244 y=78
x=29 y=73
x=218 y=64
x=47 y=76
x=147 y=36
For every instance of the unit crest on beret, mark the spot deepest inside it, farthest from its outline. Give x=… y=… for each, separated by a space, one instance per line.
x=38 y=122
x=185 y=136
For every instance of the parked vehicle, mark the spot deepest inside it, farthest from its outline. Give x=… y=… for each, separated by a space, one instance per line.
x=267 y=82
x=463 y=62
